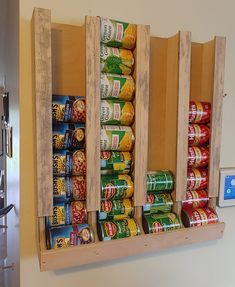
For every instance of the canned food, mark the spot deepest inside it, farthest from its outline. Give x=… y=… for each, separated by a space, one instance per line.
x=199 y=216
x=195 y=199
x=198 y=156
x=117 y=87
x=116 y=61
x=199 y=112
x=160 y=180
x=116 y=229
x=158 y=203
x=117 y=34
x=115 y=209
x=69 y=235
x=115 y=162
x=68 y=109
x=117 y=138
x=155 y=223
x=116 y=112
x=197 y=179
x=69 y=163
x=198 y=134
x=66 y=136
x=65 y=188
x=116 y=187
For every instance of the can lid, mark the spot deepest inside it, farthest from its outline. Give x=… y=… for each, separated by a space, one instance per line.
x=100 y=231
x=185 y=218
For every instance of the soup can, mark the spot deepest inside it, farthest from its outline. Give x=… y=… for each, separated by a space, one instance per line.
x=115 y=162
x=197 y=179
x=199 y=112
x=195 y=199
x=160 y=180
x=158 y=203
x=198 y=134
x=198 y=156
x=199 y=216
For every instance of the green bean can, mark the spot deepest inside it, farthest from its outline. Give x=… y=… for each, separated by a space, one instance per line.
x=158 y=203
x=115 y=162
x=160 y=180
x=115 y=209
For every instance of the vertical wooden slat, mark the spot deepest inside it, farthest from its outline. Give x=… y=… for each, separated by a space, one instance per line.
x=93 y=112
x=43 y=90
x=141 y=110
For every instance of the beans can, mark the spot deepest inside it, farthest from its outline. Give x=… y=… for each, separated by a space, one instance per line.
x=156 y=223
x=69 y=235
x=198 y=134
x=158 y=203
x=116 y=61
x=117 y=33
x=197 y=179
x=116 y=229
x=116 y=138
x=195 y=199
x=160 y=180
x=199 y=216
x=198 y=156
x=199 y=112
x=116 y=112
x=115 y=162
x=116 y=187
x=118 y=87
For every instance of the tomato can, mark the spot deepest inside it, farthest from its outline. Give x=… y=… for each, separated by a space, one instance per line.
x=116 y=187
x=156 y=223
x=158 y=203
x=69 y=235
x=198 y=134
x=116 y=229
x=197 y=179
x=198 y=156
x=116 y=112
x=117 y=34
x=115 y=162
x=160 y=180
x=195 y=199
x=199 y=112
x=117 y=87
x=199 y=216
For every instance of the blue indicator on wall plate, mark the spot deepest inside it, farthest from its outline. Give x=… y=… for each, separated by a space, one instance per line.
x=229 y=187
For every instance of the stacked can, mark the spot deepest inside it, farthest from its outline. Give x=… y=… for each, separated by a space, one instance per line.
x=68 y=224
x=115 y=218
x=195 y=210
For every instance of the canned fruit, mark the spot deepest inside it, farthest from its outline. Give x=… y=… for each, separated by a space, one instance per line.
x=199 y=112
x=115 y=162
x=198 y=134
x=198 y=157
x=116 y=112
x=116 y=138
x=195 y=199
x=199 y=216
x=158 y=203
x=118 y=87
x=160 y=180
x=197 y=179
x=117 y=34
x=115 y=209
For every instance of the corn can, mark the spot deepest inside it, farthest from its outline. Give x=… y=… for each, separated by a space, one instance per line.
x=195 y=199
x=118 y=87
x=158 y=203
x=116 y=229
x=199 y=112
x=116 y=187
x=156 y=223
x=116 y=138
x=160 y=180
x=116 y=113
x=115 y=162
x=198 y=134
x=198 y=157
x=197 y=179
x=117 y=33
x=116 y=61
x=199 y=216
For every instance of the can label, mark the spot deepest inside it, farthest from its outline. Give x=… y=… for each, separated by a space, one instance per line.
x=160 y=180
x=200 y=216
x=199 y=112
x=196 y=199
x=197 y=179
x=114 y=162
x=198 y=134
x=158 y=203
x=115 y=209
x=198 y=156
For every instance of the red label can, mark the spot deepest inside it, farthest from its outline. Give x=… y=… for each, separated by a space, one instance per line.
x=197 y=179
x=195 y=199
x=198 y=156
x=198 y=134
x=199 y=216
x=199 y=112
x=78 y=212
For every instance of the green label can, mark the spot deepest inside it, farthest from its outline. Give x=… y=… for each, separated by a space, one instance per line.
x=115 y=209
x=115 y=162
x=160 y=180
x=158 y=203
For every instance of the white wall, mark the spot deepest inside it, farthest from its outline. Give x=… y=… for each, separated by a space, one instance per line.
x=207 y=264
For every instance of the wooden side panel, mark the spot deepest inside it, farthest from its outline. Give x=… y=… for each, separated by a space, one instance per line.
x=141 y=111
x=92 y=112
x=43 y=91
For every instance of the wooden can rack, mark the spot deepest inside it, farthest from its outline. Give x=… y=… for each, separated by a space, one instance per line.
x=172 y=70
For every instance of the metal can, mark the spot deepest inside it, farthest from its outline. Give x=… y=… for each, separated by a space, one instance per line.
x=160 y=180
x=115 y=209
x=116 y=229
x=116 y=61
x=199 y=216
x=117 y=34
x=198 y=156
x=199 y=112
x=156 y=223
x=197 y=179
x=195 y=199
x=116 y=187
x=158 y=203
x=118 y=87
x=116 y=138
x=198 y=134
x=116 y=112
x=115 y=162
x=69 y=235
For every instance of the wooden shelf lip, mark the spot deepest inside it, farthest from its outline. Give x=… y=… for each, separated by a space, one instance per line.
x=110 y=250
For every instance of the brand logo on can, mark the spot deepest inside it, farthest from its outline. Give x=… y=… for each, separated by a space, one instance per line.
x=156 y=227
x=105 y=155
x=110 y=190
x=106 y=205
x=110 y=228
